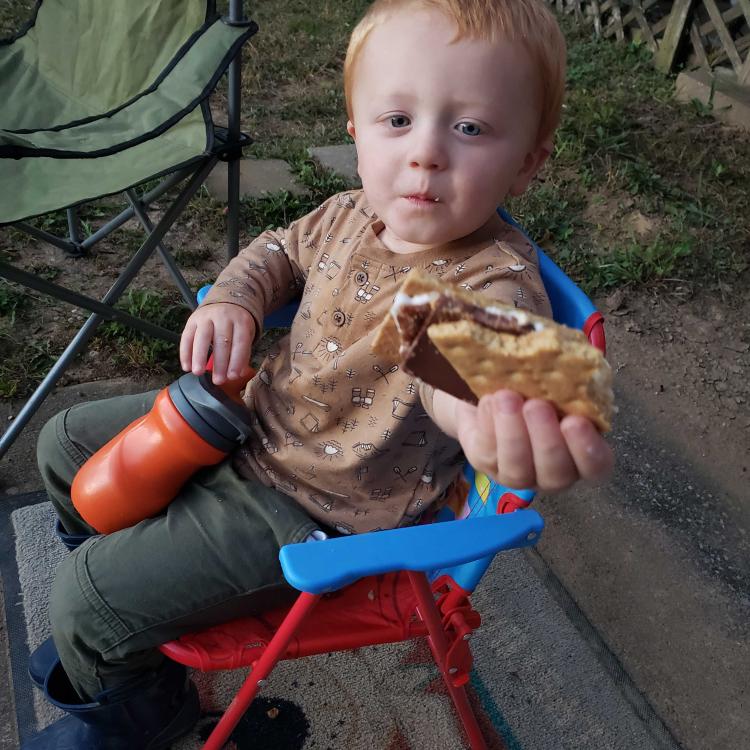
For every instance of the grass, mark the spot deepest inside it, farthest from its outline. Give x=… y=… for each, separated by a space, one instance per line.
x=133 y=351
x=281 y=208
x=640 y=190
x=23 y=364
x=12 y=299
x=626 y=151
x=292 y=84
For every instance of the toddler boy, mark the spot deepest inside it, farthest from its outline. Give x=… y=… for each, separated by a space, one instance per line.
x=452 y=105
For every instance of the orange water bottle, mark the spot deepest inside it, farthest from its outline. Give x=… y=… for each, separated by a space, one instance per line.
x=193 y=423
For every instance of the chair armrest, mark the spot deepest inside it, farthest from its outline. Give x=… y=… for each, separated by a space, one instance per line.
x=318 y=567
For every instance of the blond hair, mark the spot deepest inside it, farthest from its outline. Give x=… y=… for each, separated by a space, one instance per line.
x=529 y=22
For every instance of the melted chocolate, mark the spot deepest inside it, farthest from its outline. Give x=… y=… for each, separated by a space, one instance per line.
x=422 y=358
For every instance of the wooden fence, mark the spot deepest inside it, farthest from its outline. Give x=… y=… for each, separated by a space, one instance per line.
x=713 y=35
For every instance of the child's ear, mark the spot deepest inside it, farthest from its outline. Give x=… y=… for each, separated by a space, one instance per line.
x=533 y=162
x=350 y=129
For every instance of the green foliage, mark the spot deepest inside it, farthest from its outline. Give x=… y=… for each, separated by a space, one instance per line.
x=637 y=264
x=281 y=208
x=626 y=149
x=320 y=182
x=13 y=15
x=292 y=78
x=205 y=214
x=548 y=213
x=24 y=362
x=11 y=300
x=133 y=348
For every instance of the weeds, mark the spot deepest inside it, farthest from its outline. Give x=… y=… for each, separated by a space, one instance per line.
x=623 y=148
x=133 y=349
x=549 y=213
x=638 y=264
x=280 y=208
x=11 y=300
x=23 y=363
x=292 y=80
x=205 y=214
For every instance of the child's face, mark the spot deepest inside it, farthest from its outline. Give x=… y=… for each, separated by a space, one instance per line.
x=434 y=120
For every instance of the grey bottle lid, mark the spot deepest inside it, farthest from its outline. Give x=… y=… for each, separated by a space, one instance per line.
x=218 y=419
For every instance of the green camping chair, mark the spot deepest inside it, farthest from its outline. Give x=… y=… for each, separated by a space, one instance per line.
x=99 y=98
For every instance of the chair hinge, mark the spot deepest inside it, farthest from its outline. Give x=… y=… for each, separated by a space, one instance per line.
x=75 y=250
x=226 y=150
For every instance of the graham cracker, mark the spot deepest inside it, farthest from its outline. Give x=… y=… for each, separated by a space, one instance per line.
x=557 y=364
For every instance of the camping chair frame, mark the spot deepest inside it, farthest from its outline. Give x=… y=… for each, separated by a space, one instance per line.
x=390 y=586
x=228 y=147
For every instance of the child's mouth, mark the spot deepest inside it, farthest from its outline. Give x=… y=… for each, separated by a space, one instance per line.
x=423 y=199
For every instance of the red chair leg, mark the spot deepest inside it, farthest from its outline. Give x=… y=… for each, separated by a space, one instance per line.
x=439 y=645
x=272 y=654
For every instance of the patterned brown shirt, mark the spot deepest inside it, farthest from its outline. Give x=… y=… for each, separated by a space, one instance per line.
x=346 y=433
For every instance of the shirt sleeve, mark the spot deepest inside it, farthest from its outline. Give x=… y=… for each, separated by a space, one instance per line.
x=511 y=275
x=271 y=271
x=260 y=278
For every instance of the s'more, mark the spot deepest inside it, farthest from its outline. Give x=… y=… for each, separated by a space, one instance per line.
x=468 y=345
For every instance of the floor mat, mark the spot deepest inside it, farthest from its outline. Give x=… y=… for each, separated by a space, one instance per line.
x=537 y=681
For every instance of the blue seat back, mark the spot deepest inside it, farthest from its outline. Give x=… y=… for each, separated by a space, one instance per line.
x=570 y=305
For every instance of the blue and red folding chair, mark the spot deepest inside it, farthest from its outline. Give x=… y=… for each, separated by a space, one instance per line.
x=389 y=586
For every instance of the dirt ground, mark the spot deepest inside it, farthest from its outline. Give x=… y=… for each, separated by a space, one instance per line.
x=691 y=359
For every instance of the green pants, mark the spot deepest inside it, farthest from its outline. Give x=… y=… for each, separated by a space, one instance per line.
x=211 y=556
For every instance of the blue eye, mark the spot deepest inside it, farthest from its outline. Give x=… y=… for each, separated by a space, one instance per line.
x=400 y=121
x=469 y=128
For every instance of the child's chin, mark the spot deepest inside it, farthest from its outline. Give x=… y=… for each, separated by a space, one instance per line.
x=422 y=230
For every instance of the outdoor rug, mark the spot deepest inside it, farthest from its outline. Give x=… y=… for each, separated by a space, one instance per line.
x=542 y=678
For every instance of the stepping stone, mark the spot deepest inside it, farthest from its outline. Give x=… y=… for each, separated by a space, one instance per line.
x=258 y=177
x=339 y=159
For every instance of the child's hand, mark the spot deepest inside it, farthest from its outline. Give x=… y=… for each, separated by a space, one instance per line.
x=525 y=444
x=229 y=329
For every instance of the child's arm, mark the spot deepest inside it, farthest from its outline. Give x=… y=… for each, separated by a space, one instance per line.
x=261 y=278
x=524 y=444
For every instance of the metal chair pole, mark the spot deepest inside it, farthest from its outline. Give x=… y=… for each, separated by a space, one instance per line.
x=92 y=323
x=438 y=643
x=234 y=95
x=73 y=227
x=273 y=653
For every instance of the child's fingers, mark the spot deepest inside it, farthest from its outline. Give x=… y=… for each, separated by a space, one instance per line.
x=186 y=346
x=474 y=427
x=222 y=349
x=592 y=454
x=240 y=355
x=513 y=454
x=201 y=343
x=553 y=465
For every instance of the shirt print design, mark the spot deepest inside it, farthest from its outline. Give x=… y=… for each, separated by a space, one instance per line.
x=343 y=431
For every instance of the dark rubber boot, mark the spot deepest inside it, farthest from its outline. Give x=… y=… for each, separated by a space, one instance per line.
x=71 y=541
x=42 y=661
x=147 y=713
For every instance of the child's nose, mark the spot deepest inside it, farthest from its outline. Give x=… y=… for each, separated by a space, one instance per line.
x=427 y=152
